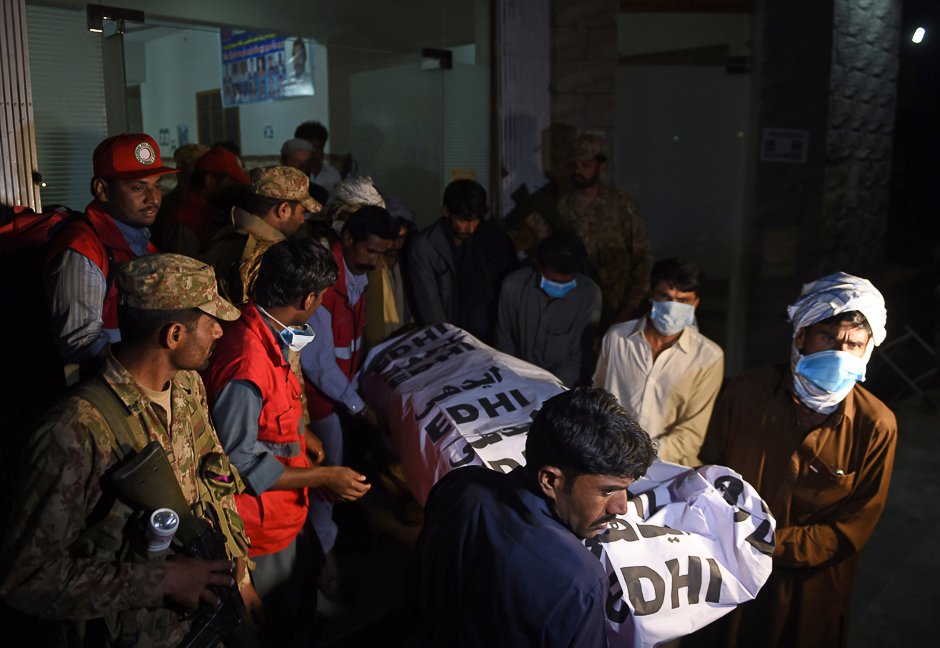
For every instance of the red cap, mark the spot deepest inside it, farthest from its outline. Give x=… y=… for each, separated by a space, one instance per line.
x=129 y=157
x=221 y=160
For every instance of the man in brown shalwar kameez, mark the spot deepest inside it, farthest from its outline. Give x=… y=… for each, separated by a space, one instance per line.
x=819 y=448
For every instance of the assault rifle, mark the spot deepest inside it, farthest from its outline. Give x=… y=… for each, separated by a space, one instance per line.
x=147 y=482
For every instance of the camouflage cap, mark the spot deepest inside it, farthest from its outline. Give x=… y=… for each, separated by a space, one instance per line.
x=284 y=183
x=589 y=145
x=172 y=282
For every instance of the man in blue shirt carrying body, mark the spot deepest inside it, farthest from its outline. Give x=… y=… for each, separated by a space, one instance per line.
x=500 y=559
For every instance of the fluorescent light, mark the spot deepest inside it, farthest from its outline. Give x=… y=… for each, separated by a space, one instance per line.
x=919 y=34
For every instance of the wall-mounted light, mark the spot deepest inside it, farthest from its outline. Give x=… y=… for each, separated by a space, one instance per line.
x=97 y=14
x=919 y=34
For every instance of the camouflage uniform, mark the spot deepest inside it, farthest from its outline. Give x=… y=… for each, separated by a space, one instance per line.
x=74 y=552
x=614 y=235
x=236 y=251
x=611 y=229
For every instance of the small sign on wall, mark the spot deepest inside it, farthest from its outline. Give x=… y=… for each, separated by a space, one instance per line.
x=784 y=145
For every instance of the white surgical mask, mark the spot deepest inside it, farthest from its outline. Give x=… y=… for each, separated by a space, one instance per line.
x=671 y=317
x=294 y=337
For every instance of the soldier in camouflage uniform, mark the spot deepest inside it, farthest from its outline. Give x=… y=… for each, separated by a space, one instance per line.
x=611 y=228
x=272 y=211
x=74 y=554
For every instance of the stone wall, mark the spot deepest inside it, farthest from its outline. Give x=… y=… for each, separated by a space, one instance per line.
x=859 y=143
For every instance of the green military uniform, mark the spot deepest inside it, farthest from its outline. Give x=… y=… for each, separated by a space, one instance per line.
x=610 y=227
x=74 y=552
x=235 y=251
x=614 y=236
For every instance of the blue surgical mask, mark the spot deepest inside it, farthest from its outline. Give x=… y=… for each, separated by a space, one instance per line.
x=671 y=317
x=832 y=371
x=557 y=290
x=296 y=338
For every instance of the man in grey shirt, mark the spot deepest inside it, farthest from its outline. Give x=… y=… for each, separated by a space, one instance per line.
x=548 y=313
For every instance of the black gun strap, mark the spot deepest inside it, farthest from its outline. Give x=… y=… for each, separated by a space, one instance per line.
x=126 y=428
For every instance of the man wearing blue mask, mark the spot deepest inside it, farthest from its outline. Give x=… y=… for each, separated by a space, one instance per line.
x=664 y=372
x=819 y=448
x=548 y=313
x=255 y=392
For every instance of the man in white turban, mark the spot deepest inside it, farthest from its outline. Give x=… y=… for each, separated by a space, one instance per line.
x=820 y=449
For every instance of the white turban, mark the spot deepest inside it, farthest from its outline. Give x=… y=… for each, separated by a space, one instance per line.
x=840 y=293
x=357 y=191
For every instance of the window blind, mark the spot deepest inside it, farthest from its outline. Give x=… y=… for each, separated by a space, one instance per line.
x=68 y=101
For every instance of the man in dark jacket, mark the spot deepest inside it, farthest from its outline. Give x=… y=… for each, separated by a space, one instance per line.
x=457 y=264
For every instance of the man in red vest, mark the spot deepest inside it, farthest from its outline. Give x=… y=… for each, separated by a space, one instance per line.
x=255 y=396
x=82 y=258
x=330 y=365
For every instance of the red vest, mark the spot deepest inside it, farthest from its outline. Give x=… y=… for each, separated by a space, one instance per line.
x=94 y=241
x=194 y=213
x=348 y=323
x=248 y=351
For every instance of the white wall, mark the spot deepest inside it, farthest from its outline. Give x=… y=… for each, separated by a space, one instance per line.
x=168 y=96
x=397 y=134
x=413 y=130
x=285 y=114
x=682 y=151
x=682 y=146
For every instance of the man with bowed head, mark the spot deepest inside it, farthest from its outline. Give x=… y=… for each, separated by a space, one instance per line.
x=457 y=264
x=548 y=313
x=330 y=365
x=819 y=449
x=500 y=560
x=256 y=400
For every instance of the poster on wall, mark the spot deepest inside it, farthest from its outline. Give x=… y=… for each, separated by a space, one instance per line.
x=264 y=67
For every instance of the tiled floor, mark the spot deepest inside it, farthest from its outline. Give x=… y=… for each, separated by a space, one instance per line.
x=897 y=591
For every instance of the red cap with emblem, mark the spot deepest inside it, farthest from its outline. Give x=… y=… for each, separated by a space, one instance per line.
x=128 y=157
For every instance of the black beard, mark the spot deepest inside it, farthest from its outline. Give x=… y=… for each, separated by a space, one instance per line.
x=581 y=182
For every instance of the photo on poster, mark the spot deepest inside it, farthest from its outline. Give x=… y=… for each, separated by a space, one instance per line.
x=299 y=69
